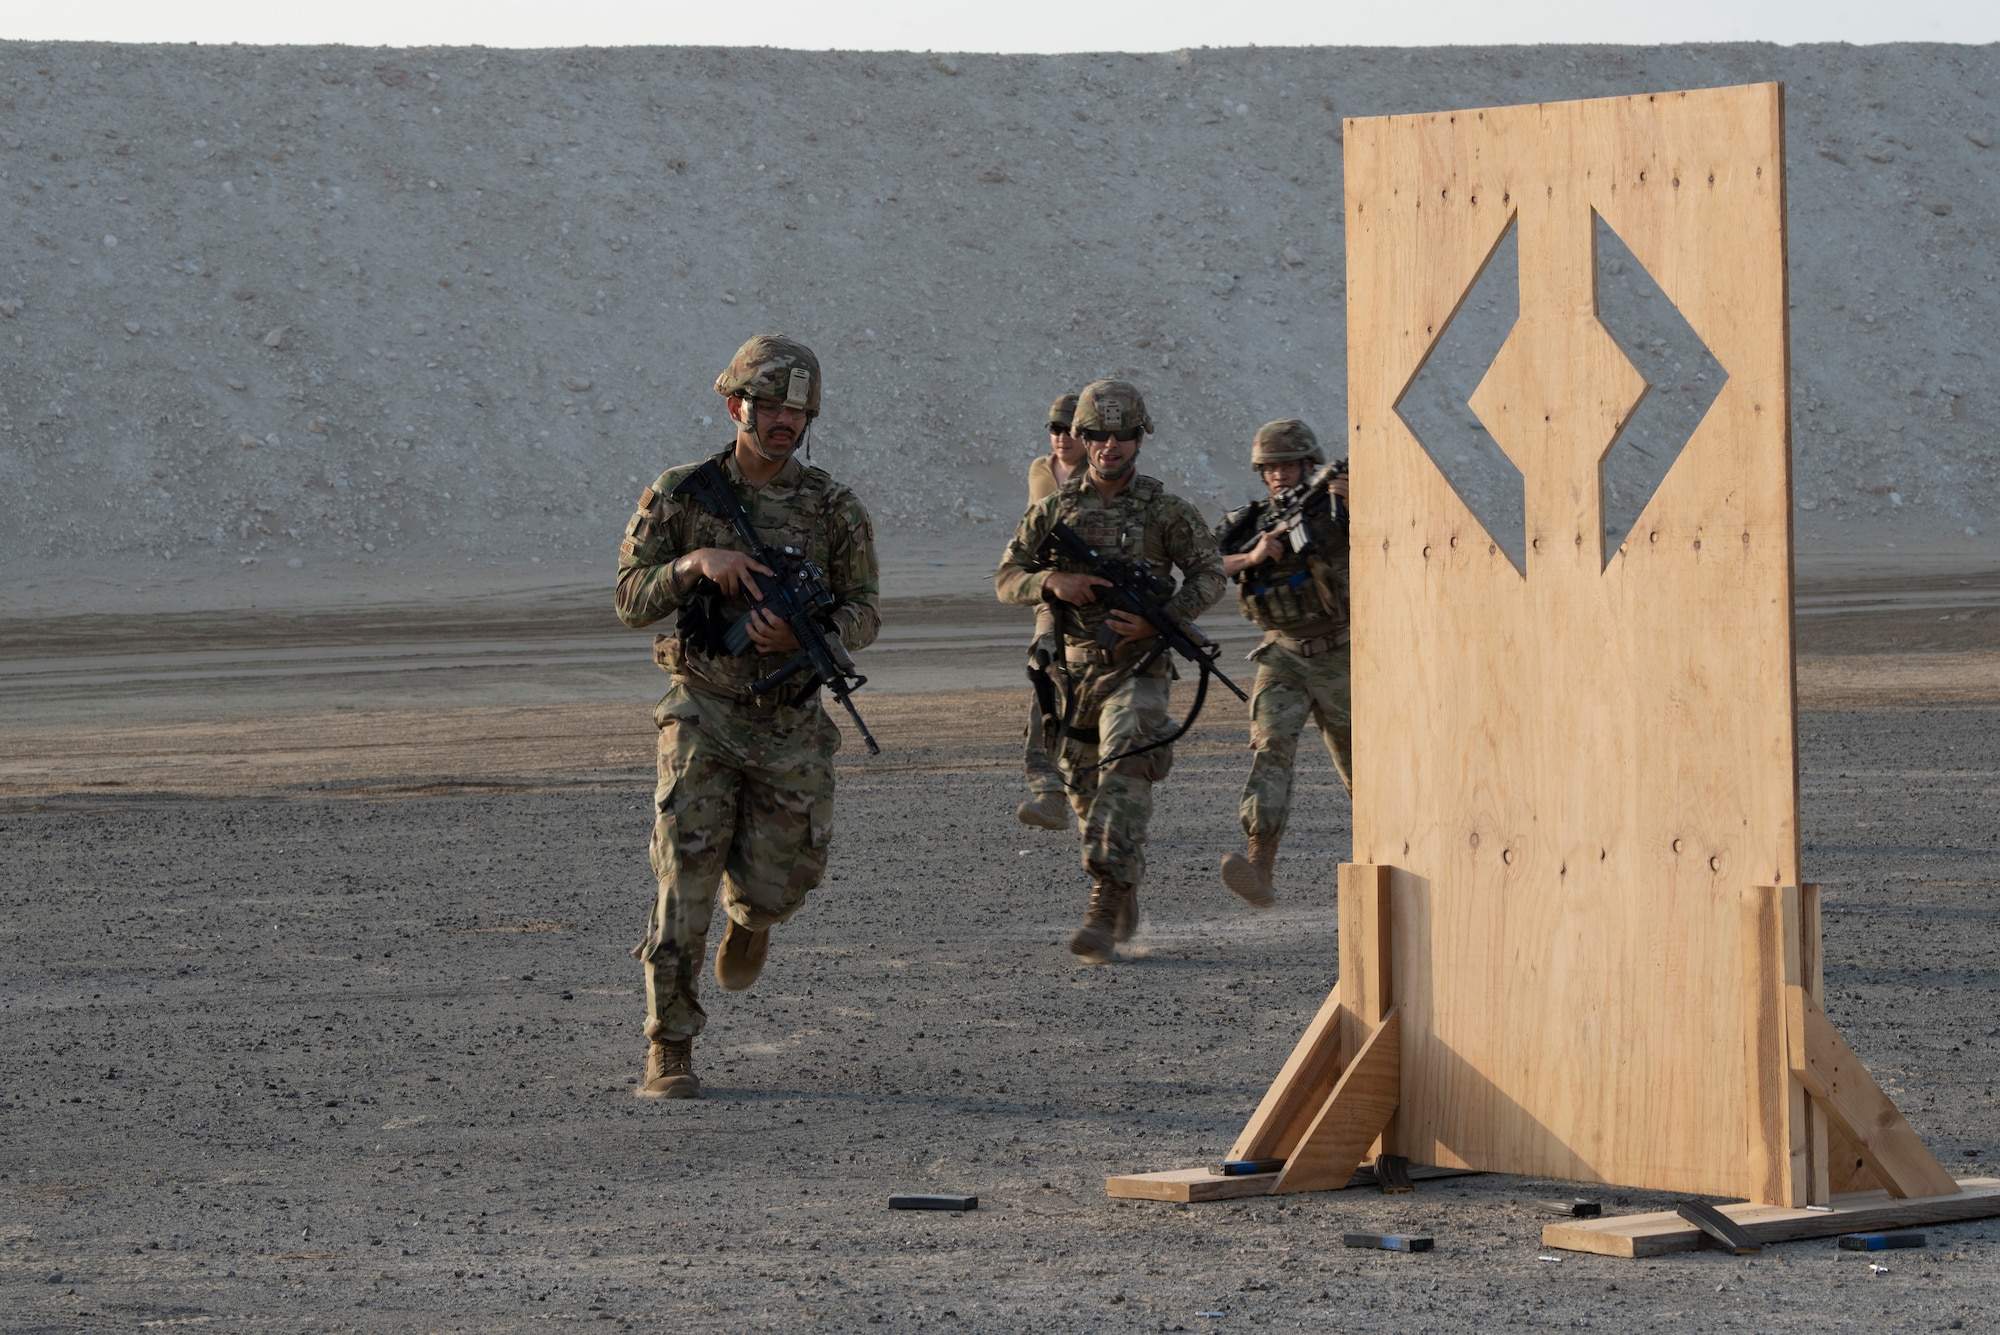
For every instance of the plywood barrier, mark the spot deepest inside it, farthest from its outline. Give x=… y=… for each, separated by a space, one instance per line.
x=1575 y=912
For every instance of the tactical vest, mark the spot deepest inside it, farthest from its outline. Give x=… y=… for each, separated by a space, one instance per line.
x=1300 y=595
x=1125 y=530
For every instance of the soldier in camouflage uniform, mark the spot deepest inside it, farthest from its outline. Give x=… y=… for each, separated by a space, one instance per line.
x=1047 y=807
x=1303 y=670
x=1109 y=707
x=744 y=800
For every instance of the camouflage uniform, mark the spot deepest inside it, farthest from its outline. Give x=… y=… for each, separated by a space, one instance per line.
x=745 y=791
x=1303 y=663
x=1302 y=668
x=1043 y=776
x=1111 y=707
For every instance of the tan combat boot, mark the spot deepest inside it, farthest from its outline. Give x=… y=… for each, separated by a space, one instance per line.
x=1044 y=811
x=670 y=1069
x=1097 y=937
x=741 y=957
x=1251 y=877
x=1127 y=924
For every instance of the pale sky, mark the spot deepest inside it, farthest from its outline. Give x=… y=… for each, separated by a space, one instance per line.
x=1010 y=25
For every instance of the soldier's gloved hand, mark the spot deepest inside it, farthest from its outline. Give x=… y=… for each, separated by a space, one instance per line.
x=1079 y=590
x=770 y=633
x=728 y=569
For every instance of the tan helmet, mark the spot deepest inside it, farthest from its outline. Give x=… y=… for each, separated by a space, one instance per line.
x=773 y=368
x=1110 y=405
x=1285 y=440
x=1062 y=411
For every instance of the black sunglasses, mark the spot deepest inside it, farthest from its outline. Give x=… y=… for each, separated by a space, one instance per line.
x=1059 y=428
x=1128 y=435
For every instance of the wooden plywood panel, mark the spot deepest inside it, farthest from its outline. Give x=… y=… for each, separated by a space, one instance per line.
x=1585 y=764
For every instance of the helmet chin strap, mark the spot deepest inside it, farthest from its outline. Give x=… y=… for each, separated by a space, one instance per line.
x=1103 y=476
x=757 y=436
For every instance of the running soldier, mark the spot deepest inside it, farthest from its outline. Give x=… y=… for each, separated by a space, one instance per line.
x=744 y=800
x=1299 y=597
x=1109 y=708
x=1046 y=807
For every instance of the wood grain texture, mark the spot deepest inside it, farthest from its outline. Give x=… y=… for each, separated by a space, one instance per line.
x=1300 y=1089
x=1856 y=1104
x=1639 y=1235
x=1583 y=766
x=1353 y=1116
x=1187 y=1184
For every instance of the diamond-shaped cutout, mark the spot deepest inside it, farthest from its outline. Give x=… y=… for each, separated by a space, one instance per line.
x=1437 y=409
x=1682 y=376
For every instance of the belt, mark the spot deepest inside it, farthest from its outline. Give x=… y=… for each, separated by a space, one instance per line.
x=1093 y=656
x=789 y=698
x=1318 y=644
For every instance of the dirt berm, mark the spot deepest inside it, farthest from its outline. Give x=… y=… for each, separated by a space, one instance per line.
x=283 y=325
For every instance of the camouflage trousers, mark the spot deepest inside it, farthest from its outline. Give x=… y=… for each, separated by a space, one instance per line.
x=1290 y=689
x=1114 y=805
x=1043 y=775
x=744 y=802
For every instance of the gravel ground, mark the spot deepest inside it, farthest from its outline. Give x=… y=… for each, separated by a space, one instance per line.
x=340 y=1063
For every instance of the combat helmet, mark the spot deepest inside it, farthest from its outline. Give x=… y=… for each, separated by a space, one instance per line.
x=1284 y=441
x=773 y=368
x=1110 y=405
x=1062 y=411
x=778 y=370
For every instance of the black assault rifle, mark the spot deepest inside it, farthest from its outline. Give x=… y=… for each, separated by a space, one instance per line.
x=798 y=597
x=1288 y=515
x=1134 y=588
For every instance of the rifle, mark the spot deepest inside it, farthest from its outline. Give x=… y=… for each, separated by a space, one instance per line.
x=798 y=595
x=1290 y=513
x=1134 y=588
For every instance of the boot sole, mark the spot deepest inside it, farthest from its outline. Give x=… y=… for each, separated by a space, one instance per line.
x=1035 y=821
x=1239 y=877
x=687 y=1087
x=1085 y=947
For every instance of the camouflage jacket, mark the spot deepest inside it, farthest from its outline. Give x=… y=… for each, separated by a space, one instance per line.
x=1142 y=522
x=1302 y=596
x=801 y=507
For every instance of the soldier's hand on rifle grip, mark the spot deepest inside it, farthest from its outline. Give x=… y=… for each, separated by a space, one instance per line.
x=1338 y=485
x=1269 y=548
x=1130 y=628
x=1079 y=590
x=768 y=632
x=728 y=569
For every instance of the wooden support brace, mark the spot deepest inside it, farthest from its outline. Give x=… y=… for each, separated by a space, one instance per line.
x=1828 y=1068
x=1299 y=1091
x=1354 y=1114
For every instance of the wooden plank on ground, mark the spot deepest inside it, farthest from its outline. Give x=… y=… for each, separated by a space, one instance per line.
x=1354 y=1115
x=1655 y=1234
x=1189 y=1185
x=1194 y=1185
x=1856 y=1104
